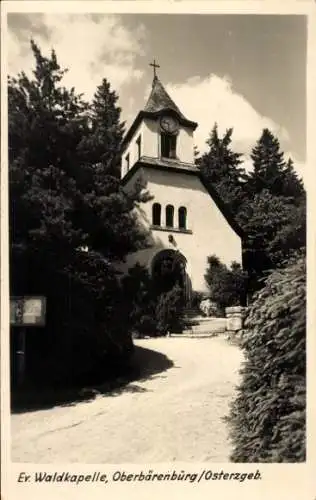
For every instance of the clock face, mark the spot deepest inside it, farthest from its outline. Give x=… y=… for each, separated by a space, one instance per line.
x=169 y=124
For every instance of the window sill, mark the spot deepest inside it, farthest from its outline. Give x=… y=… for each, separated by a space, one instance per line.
x=171 y=229
x=172 y=159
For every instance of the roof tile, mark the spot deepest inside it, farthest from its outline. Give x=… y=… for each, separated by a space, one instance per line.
x=159 y=100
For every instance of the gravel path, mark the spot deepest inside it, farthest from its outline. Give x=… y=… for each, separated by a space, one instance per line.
x=174 y=413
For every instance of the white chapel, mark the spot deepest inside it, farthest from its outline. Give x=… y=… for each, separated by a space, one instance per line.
x=187 y=221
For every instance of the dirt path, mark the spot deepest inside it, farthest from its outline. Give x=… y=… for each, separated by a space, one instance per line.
x=174 y=414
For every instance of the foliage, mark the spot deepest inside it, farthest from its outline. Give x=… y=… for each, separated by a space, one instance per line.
x=273 y=212
x=169 y=311
x=210 y=308
x=291 y=238
x=149 y=311
x=196 y=299
x=271 y=172
x=227 y=286
x=268 y=202
x=221 y=169
x=140 y=301
x=268 y=415
x=65 y=197
x=275 y=228
x=102 y=145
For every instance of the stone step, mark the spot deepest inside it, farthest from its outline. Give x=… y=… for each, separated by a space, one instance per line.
x=206 y=318
x=206 y=324
x=200 y=327
x=204 y=332
x=190 y=313
x=196 y=335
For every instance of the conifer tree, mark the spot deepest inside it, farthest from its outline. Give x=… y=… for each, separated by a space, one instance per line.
x=64 y=198
x=275 y=228
x=271 y=171
x=221 y=168
x=268 y=164
x=105 y=209
x=102 y=144
x=292 y=185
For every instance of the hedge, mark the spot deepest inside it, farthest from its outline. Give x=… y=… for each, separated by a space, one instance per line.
x=268 y=415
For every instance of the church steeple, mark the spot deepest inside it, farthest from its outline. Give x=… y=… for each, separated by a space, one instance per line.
x=160 y=132
x=159 y=100
x=155 y=66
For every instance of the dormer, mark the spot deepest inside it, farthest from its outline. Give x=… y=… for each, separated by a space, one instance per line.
x=159 y=133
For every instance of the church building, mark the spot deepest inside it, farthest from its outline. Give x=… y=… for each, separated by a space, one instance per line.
x=187 y=221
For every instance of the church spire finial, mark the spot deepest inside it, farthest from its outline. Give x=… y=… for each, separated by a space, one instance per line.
x=154 y=65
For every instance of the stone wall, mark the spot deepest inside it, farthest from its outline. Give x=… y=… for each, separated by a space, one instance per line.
x=234 y=318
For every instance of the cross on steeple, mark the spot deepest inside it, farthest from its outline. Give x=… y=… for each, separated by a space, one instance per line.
x=154 y=65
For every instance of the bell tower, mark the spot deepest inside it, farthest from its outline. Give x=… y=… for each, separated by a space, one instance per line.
x=185 y=218
x=160 y=133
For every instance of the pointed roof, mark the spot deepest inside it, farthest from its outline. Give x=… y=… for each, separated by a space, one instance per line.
x=159 y=102
x=159 y=99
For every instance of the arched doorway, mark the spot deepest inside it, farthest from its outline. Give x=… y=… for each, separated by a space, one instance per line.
x=168 y=269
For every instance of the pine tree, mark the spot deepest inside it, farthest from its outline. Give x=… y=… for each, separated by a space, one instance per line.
x=271 y=171
x=64 y=198
x=220 y=167
x=273 y=212
x=102 y=144
x=105 y=209
x=293 y=187
x=46 y=123
x=268 y=164
x=275 y=228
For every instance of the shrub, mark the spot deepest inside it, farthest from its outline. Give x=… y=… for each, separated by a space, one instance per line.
x=82 y=338
x=227 y=286
x=196 y=299
x=169 y=311
x=140 y=301
x=268 y=416
x=150 y=313
x=209 y=308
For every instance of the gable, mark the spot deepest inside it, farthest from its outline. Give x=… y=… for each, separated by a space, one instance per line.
x=178 y=180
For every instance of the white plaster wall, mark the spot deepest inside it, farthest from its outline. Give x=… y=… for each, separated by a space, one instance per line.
x=149 y=131
x=185 y=143
x=151 y=138
x=211 y=233
x=132 y=149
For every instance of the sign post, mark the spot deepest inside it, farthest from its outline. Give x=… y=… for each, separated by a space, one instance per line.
x=20 y=353
x=25 y=312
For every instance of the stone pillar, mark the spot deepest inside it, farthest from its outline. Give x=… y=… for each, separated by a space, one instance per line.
x=234 y=318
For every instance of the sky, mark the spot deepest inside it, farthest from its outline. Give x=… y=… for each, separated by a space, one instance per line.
x=241 y=71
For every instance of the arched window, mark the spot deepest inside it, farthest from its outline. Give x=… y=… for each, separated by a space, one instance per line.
x=156 y=214
x=169 y=215
x=182 y=213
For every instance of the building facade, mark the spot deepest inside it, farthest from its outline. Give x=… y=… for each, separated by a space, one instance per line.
x=187 y=221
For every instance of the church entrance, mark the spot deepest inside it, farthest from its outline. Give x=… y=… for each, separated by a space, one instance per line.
x=168 y=270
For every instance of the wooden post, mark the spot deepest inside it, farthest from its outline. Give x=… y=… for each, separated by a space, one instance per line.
x=20 y=353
